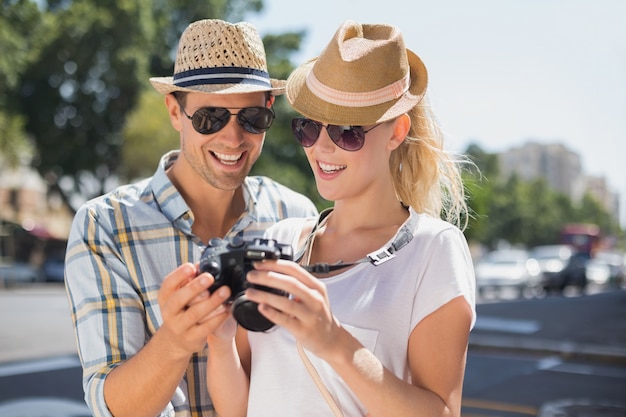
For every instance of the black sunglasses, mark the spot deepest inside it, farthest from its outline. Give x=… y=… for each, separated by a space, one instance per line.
x=348 y=138
x=208 y=120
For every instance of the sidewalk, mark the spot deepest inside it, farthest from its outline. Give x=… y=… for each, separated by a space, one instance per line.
x=586 y=328
x=35 y=323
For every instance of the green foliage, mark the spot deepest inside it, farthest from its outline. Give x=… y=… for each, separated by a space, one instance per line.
x=21 y=27
x=279 y=49
x=147 y=134
x=14 y=144
x=87 y=77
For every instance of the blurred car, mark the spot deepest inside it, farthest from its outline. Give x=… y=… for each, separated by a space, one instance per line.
x=507 y=268
x=53 y=270
x=17 y=273
x=561 y=266
x=598 y=271
x=611 y=264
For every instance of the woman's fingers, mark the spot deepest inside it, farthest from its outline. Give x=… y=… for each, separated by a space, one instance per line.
x=288 y=277
x=306 y=299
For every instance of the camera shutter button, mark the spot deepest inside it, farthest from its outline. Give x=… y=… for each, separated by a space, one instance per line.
x=215 y=242
x=237 y=242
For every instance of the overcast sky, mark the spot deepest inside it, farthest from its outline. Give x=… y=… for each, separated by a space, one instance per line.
x=502 y=72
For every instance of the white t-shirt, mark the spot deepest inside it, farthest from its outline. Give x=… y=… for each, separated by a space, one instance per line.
x=380 y=306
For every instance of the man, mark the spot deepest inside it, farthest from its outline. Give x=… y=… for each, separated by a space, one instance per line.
x=140 y=310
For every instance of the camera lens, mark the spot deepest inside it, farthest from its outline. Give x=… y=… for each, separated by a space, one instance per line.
x=246 y=313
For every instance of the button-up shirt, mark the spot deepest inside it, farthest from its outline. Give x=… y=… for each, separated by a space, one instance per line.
x=121 y=247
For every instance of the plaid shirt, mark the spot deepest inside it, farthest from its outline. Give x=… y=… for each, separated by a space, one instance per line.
x=121 y=247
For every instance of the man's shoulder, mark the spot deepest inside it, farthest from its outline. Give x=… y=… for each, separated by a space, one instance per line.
x=127 y=195
x=266 y=188
x=261 y=182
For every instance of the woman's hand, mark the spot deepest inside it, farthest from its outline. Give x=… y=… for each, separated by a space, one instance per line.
x=305 y=313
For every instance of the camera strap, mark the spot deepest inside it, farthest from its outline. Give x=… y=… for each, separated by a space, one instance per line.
x=380 y=256
x=318 y=382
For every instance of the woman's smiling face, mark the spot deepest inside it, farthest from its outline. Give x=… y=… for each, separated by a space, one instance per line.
x=342 y=174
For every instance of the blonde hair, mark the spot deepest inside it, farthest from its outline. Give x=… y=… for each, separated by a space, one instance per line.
x=426 y=177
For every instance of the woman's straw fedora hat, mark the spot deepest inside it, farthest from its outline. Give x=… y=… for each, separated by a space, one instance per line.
x=365 y=75
x=218 y=57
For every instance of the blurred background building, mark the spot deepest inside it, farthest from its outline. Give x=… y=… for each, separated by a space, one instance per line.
x=34 y=224
x=562 y=170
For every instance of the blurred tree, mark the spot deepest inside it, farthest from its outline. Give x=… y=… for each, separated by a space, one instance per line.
x=487 y=163
x=591 y=211
x=479 y=190
x=22 y=29
x=76 y=94
x=543 y=217
x=147 y=134
x=94 y=59
x=526 y=213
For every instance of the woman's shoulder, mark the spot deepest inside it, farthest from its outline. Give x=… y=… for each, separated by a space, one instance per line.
x=292 y=222
x=431 y=226
x=290 y=229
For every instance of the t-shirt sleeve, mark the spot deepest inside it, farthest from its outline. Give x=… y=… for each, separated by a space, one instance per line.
x=448 y=273
x=286 y=232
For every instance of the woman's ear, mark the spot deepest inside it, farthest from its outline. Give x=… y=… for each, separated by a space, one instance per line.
x=401 y=127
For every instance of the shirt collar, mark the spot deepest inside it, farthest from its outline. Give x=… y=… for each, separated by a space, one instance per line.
x=165 y=193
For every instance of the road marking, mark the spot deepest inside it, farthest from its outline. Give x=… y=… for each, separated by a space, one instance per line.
x=50 y=407
x=39 y=365
x=497 y=406
x=582 y=369
x=549 y=362
x=498 y=324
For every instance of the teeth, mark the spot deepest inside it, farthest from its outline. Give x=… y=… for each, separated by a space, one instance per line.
x=228 y=159
x=330 y=168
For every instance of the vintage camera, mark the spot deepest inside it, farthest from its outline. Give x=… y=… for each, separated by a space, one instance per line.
x=229 y=262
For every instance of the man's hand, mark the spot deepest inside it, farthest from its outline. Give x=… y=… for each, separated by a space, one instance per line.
x=190 y=313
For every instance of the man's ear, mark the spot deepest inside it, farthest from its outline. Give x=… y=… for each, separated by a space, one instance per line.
x=270 y=100
x=401 y=127
x=173 y=109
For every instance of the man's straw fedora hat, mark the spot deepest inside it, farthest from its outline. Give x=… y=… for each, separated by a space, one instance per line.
x=219 y=57
x=364 y=76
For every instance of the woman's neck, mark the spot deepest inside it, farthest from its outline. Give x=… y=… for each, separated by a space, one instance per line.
x=349 y=216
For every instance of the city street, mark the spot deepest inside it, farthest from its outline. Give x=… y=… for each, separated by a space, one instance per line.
x=526 y=356
x=40 y=373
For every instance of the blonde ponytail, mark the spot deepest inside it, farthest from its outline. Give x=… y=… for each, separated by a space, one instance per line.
x=426 y=177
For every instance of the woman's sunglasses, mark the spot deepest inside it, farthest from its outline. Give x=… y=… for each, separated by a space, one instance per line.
x=348 y=138
x=208 y=120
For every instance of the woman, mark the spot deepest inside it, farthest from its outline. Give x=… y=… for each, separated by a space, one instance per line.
x=380 y=326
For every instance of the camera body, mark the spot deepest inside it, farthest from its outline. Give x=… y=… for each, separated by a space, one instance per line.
x=229 y=262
